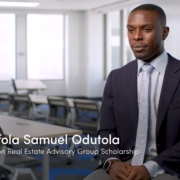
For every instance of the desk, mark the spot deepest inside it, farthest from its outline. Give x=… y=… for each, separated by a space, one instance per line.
x=32 y=85
x=71 y=103
x=18 y=127
x=38 y=99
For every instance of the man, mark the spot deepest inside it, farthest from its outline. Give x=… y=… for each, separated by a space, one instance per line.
x=141 y=106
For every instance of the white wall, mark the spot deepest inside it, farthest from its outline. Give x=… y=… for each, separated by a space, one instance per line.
x=76 y=69
x=95 y=54
x=85 y=62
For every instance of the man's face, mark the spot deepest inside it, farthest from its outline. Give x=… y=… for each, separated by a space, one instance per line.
x=146 y=35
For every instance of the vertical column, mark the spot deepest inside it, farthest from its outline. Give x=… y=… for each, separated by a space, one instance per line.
x=123 y=36
x=108 y=43
x=104 y=45
x=21 y=47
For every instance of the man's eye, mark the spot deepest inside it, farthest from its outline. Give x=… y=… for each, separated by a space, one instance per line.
x=130 y=30
x=147 y=29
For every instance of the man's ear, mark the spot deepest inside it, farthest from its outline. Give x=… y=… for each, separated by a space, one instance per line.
x=165 y=32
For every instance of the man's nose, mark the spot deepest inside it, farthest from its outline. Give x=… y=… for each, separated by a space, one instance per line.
x=138 y=35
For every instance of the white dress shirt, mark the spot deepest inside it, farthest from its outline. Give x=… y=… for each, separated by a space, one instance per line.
x=156 y=81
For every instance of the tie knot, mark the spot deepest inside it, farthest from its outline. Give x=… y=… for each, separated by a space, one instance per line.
x=147 y=68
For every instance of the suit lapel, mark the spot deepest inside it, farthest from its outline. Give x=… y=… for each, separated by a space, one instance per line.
x=170 y=82
x=132 y=91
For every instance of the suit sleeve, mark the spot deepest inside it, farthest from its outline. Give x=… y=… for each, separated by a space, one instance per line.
x=108 y=123
x=169 y=160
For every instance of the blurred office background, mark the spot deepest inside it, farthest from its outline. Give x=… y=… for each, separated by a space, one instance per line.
x=71 y=46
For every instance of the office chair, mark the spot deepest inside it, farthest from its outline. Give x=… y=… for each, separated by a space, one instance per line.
x=59 y=111
x=87 y=116
x=8 y=172
x=14 y=86
x=4 y=102
x=20 y=105
x=16 y=91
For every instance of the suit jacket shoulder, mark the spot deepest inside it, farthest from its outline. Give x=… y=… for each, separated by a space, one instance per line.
x=124 y=71
x=173 y=62
x=126 y=67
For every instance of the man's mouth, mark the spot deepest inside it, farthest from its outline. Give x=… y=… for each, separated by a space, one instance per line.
x=139 y=48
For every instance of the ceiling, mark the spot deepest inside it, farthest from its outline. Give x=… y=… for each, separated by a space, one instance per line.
x=68 y=4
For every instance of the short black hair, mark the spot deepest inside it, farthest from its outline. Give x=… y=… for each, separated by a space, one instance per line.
x=154 y=8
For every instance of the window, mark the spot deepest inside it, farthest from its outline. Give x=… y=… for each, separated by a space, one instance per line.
x=112 y=47
x=45 y=46
x=7 y=46
x=117 y=51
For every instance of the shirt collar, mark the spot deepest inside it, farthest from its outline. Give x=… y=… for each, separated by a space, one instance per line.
x=158 y=63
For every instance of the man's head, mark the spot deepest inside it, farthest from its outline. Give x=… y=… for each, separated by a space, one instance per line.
x=147 y=31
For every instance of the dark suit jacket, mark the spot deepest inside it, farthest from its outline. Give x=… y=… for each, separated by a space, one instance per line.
x=119 y=114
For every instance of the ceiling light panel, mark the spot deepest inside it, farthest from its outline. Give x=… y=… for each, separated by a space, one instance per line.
x=18 y=4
